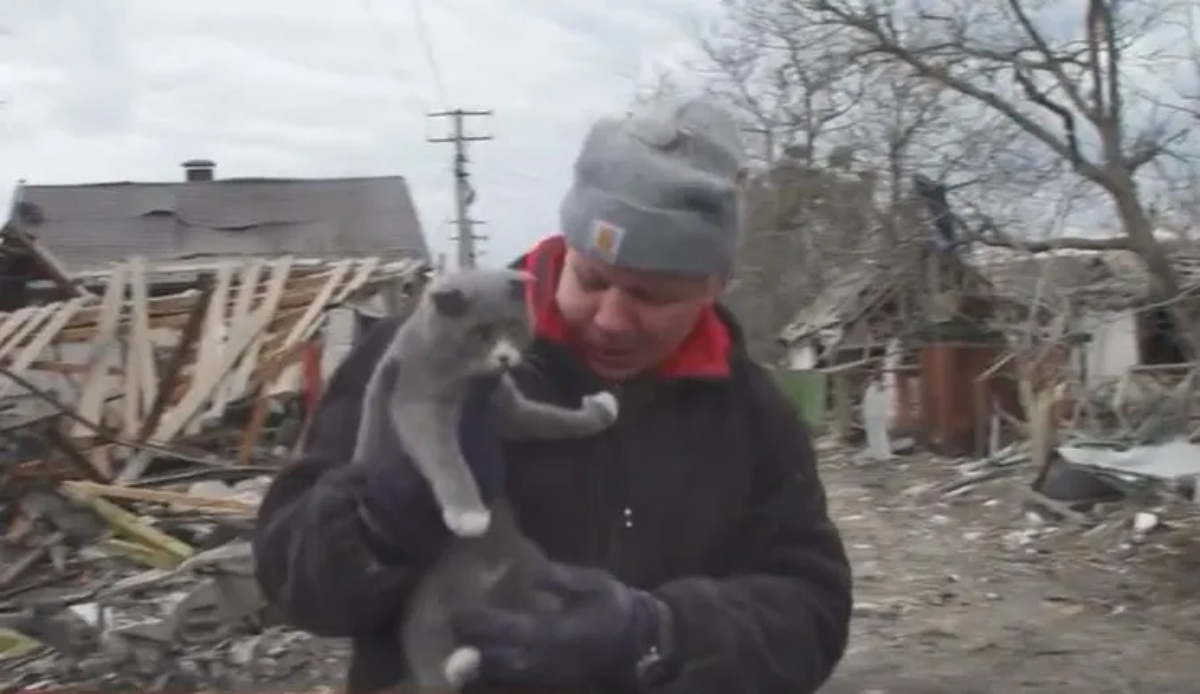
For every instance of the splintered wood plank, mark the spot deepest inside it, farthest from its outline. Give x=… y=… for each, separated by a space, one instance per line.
x=62 y=314
x=49 y=263
x=158 y=307
x=203 y=385
x=240 y=346
x=248 y=290
x=136 y=465
x=172 y=311
x=13 y=322
x=248 y=285
x=362 y=274
x=174 y=368
x=95 y=383
x=143 y=345
x=27 y=328
x=316 y=309
x=180 y=500
x=212 y=341
x=131 y=395
x=281 y=371
x=280 y=273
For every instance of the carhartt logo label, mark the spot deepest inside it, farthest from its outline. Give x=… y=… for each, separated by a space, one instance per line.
x=606 y=239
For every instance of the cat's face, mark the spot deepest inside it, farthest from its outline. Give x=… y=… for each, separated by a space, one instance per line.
x=480 y=317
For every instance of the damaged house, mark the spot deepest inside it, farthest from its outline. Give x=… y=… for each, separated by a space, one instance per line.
x=157 y=308
x=202 y=218
x=910 y=313
x=1112 y=324
x=87 y=226
x=161 y=349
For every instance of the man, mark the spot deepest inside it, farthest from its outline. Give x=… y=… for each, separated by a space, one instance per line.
x=694 y=546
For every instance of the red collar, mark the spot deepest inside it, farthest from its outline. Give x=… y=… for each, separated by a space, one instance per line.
x=704 y=354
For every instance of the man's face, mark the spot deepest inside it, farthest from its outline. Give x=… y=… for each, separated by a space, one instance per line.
x=628 y=321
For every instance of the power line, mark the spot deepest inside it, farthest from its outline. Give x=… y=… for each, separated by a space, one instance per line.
x=422 y=29
x=430 y=57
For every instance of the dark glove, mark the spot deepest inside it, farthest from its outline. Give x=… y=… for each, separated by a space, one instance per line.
x=600 y=637
x=398 y=504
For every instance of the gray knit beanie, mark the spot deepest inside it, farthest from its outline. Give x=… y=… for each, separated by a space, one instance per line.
x=658 y=190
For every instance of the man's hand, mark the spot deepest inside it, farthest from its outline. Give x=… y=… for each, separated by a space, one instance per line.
x=600 y=635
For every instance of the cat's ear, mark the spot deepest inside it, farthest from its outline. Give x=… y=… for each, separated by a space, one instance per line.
x=451 y=303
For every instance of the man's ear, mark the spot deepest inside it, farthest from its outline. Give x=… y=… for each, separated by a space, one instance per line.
x=451 y=303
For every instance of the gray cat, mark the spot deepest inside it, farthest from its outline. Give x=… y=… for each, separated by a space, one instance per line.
x=467 y=325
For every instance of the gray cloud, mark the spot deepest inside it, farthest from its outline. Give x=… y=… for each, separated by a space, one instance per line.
x=102 y=87
x=127 y=89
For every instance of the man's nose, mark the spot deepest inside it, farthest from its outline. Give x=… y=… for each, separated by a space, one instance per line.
x=612 y=315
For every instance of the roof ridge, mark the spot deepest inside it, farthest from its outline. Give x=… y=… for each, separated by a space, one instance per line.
x=219 y=181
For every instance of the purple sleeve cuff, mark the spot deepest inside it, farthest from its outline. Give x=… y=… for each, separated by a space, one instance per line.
x=647 y=639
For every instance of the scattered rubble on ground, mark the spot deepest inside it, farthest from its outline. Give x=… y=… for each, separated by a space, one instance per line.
x=1116 y=460
x=964 y=584
x=143 y=411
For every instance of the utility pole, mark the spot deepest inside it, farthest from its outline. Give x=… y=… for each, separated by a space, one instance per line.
x=464 y=194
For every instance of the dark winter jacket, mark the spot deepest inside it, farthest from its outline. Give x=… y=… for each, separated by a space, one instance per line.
x=705 y=492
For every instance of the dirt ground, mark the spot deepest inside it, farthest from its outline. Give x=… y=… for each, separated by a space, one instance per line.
x=976 y=593
x=972 y=592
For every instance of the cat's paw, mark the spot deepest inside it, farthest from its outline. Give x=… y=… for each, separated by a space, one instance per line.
x=467 y=522
x=603 y=404
x=462 y=666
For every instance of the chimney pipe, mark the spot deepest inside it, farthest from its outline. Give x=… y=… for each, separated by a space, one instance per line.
x=199 y=170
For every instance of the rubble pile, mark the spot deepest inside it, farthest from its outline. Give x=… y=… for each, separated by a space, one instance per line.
x=143 y=412
x=122 y=585
x=1111 y=453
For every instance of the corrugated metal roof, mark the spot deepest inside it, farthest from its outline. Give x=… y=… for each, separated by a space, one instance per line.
x=850 y=294
x=91 y=225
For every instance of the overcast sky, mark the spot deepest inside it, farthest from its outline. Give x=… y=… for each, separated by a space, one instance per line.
x=104 y=90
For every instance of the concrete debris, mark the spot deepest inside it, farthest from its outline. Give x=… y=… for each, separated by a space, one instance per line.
x=131 y=601
x=1144 y=522
x=1171 y=461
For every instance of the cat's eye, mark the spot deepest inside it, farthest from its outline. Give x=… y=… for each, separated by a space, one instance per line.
x=483 y=332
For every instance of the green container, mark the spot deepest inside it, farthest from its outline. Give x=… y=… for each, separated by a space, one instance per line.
x=807 y=389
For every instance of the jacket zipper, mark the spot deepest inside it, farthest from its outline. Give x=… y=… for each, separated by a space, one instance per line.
x=619 y=516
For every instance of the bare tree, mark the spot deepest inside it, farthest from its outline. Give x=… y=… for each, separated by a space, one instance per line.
x=1068 y=91
x=1024 y=107
x=901 y=128
x=1183 y=198
x=783 y=77
x=663 y=83
x=795 y=96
